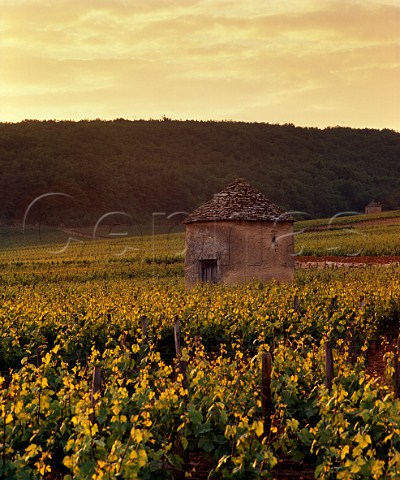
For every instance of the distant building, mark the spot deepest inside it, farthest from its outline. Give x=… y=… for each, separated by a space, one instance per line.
x=373 y=207
x=239 y=235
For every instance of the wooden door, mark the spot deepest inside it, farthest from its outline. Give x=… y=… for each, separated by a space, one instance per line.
x=209 y=270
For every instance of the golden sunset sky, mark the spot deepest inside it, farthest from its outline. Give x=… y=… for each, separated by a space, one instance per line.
x=308 y=62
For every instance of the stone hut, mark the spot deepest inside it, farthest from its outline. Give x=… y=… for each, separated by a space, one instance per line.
x=239 y=235
x=373 y=207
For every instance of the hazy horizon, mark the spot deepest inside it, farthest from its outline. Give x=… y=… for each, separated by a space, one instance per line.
x=310 y=63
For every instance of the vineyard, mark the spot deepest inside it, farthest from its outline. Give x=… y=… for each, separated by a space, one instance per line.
x=380 y=240
x=96 y=383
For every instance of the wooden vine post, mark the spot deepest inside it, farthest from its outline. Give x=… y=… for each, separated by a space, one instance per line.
x=362 y=302
x=177 y=339
x=296 y=303
x=145 y=329
x=266 y=397
x=332 y=305
x=96 y=386
x=329 y=365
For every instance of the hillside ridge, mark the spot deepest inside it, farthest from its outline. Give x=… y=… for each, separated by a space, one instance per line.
x=146 y=169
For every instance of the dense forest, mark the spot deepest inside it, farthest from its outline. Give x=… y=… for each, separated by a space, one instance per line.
x=142 y=167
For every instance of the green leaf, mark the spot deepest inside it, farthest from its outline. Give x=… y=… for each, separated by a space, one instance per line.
x=184 y=442
x=206 y=444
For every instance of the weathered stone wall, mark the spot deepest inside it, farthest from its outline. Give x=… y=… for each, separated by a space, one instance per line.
x=244 y=250
x=376 y=209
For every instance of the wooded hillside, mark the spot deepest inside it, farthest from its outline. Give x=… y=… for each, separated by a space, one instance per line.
x=141 y=167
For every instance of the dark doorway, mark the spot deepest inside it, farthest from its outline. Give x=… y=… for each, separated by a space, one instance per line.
x=209 y=270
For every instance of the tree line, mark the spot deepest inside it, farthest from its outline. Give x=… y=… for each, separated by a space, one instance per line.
x=142 y=167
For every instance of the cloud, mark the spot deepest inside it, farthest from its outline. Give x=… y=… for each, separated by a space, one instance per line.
x=298 y=60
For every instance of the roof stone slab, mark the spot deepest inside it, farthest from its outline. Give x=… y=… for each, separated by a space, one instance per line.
x=239 y=201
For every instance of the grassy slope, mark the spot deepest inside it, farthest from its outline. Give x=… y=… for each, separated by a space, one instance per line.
x=352 y=235
x=55 y=250
x=346 y=219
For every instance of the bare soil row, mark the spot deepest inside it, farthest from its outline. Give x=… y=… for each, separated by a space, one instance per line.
x=331 y=261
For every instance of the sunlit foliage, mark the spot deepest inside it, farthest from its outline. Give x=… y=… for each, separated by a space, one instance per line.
x=63 y=313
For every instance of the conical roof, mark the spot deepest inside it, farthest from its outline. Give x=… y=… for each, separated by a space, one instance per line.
x=239 y=201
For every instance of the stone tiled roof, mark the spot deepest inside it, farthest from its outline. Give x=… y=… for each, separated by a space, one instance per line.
x=374 y=204
x=239 y=201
